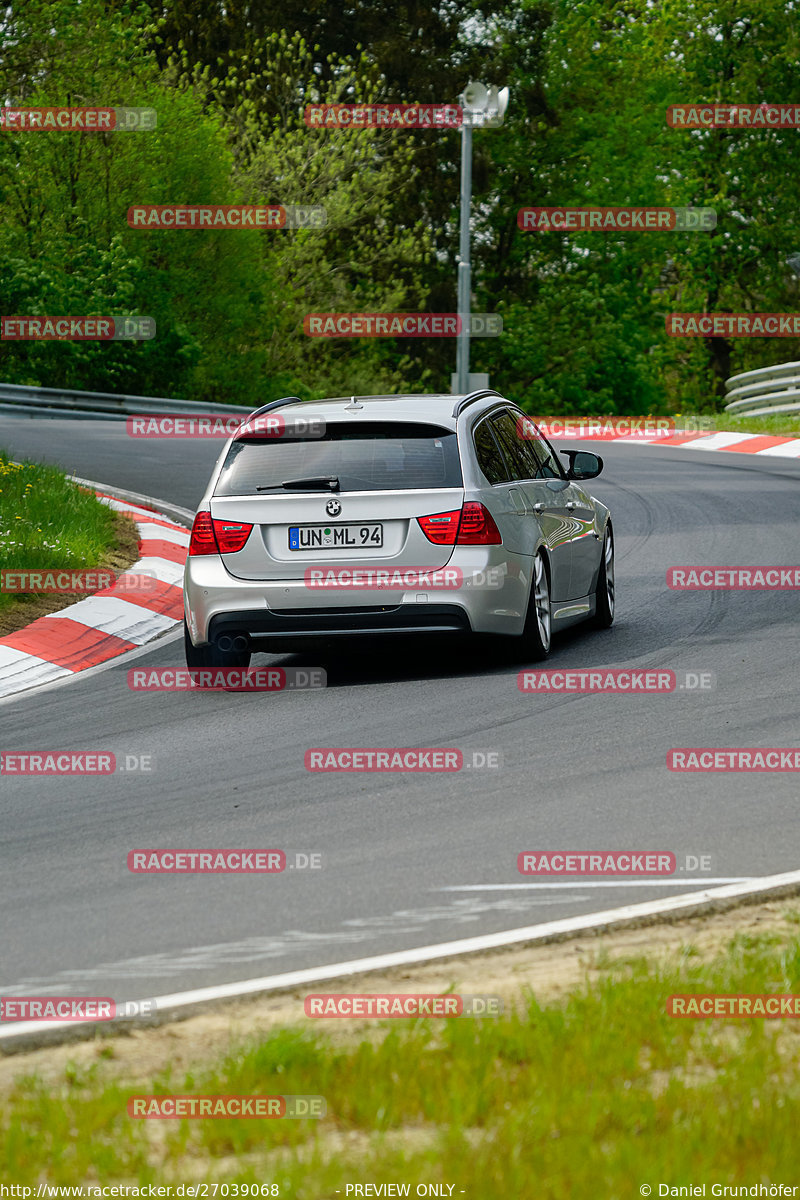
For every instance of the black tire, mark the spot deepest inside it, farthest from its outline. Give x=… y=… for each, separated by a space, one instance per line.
x=535 y=639
x=605 y=593
x=211 y=656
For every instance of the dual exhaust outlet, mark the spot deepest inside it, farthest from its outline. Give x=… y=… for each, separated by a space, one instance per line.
x=237 y=642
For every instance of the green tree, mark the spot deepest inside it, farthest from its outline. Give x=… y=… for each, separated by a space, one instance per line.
x=64 y=241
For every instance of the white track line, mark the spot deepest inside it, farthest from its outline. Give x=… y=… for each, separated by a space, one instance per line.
x=692 y=902
x=577 y=882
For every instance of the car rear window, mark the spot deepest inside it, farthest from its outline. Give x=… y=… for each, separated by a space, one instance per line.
x=373 y=456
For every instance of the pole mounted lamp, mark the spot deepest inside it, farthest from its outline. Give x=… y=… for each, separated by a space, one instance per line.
x=483 y=108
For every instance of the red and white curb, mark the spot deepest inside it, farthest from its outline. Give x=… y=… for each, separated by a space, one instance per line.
x=110 y=622
x=740 y=443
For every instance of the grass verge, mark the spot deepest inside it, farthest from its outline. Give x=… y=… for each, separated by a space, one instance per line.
x=48 y=522
x=586 y=1091
x=780 y=425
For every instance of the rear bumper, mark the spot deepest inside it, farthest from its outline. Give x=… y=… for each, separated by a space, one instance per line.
x=262 y=627
x=271 y=613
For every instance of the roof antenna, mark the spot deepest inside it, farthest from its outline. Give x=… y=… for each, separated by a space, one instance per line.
x=353 y=406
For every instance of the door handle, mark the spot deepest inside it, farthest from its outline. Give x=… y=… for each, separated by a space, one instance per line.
x=538 y=508
x=570 y=505
x=517 y=502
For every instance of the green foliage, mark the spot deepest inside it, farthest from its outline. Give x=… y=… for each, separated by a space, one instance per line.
x=584 y=313
x=65 y=244
x=48 y=522
x=364 y=259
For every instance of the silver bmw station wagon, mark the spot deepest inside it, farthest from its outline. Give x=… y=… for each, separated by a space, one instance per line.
x=384 y=515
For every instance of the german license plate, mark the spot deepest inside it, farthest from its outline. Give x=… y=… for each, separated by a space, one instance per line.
x=335 y=537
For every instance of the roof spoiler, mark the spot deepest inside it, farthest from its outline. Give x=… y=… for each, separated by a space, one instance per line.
x=465 y=401
x=265 y=408
x=274 y=404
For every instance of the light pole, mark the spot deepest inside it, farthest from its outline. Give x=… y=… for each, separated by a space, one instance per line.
x=483 y=107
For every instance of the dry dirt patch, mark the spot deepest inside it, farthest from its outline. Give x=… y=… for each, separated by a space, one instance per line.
x=549 y=971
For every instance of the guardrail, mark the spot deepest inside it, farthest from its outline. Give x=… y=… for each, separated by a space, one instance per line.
x=767 y=390
x=65 y=402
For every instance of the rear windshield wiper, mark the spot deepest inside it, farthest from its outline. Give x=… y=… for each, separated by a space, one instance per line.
x=312 y=484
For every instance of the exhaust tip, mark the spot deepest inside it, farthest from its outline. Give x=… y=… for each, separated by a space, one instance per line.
x=224 y=643
x=240 y=642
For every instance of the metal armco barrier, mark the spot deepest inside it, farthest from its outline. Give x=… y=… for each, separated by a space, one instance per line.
x=64 y=402
x=767 y=390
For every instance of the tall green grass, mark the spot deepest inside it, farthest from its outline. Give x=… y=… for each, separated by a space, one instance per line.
x=591 y=1096
x=46 y=521
x=780 y=425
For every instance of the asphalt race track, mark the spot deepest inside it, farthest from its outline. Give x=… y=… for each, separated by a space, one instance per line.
x=579 y=772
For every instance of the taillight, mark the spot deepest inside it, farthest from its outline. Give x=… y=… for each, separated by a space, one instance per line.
x=211 y=536
x=477 y=526
x=231 y=535
x=441 y=528
x=472 y=525
x=202 y=540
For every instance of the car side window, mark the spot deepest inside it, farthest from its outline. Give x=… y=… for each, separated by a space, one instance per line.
x=547 y=463
x=490 y=459
x=550 y=468
x=516 y=448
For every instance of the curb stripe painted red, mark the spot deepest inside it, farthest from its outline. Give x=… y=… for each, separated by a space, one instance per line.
x=152 y=548
x=110 y=621
x=69 y=644
x=161 y=597
x=742 y=443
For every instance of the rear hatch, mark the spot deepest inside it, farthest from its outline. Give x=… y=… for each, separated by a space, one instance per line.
x=352 y=500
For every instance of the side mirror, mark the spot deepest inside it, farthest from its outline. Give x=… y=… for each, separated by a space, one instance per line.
x=582 y=464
